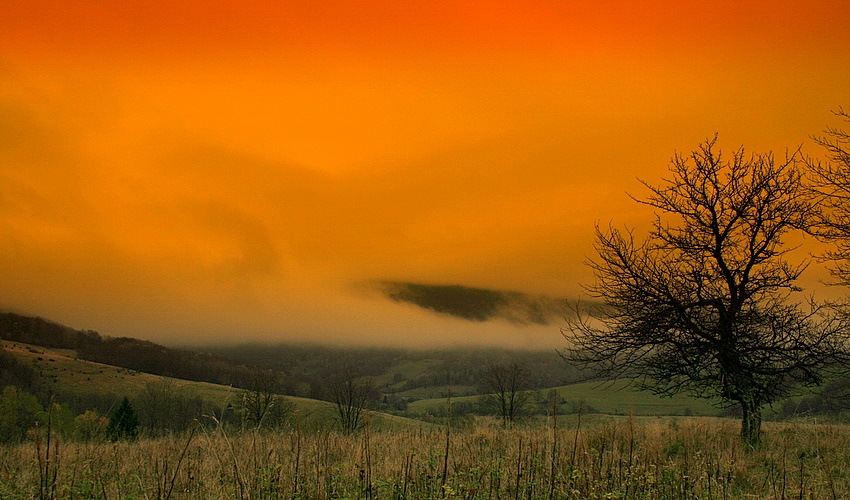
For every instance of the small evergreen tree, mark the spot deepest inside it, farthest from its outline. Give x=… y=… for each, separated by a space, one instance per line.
x=123 y=424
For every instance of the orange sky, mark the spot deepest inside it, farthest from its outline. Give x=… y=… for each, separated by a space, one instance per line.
x=223 y=171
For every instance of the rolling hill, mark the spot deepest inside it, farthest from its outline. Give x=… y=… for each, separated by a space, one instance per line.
x=406 y=384
x=68 y=374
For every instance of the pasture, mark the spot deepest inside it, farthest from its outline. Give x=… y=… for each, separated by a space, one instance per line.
x=579 y=456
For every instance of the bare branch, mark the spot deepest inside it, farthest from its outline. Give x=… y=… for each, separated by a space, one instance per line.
x=703 y=303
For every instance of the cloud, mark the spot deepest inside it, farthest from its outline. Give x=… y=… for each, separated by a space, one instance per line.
x=477 y=304
x=171 y=188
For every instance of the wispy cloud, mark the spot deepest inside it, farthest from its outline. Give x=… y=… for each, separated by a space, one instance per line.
x=178 y=170
x=478 y=304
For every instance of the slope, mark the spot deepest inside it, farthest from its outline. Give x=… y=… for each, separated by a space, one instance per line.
x=66 y=373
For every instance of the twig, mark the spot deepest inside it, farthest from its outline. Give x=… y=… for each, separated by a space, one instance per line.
x=179 y=462
x=448 y=441
x=554 y=446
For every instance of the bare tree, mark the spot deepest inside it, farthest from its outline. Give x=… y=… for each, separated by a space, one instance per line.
x=162 y=406
x=351 y=394
x=507 y=390
x=831 y=182
x=262 y=405
x=704 y=304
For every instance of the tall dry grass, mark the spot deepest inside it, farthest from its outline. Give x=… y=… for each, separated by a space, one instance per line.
x=607 y=458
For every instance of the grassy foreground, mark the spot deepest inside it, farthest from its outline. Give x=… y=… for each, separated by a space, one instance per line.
x=681 y=457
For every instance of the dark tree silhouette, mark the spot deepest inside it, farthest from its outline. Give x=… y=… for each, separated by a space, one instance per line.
x=507 y=394
x=351 y=394
x=704 y=303
x=262 y=405
x=123 y=424
x=164 y=406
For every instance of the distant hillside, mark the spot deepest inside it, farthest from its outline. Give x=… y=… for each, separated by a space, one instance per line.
x=130 y=353
x=399 y=377
x=90 y=385
x=302 y=370
x=402 y=373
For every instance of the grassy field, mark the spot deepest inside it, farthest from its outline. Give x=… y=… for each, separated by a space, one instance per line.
x=620 y=398
x=69 y=373
x=620 y=445
x=612 y=457
x=612 y=398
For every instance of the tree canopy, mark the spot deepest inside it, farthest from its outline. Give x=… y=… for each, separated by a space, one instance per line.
x=507 y=386
x=705 y=302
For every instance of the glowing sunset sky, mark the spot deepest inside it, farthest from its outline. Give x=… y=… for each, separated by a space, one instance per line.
x=238 y=170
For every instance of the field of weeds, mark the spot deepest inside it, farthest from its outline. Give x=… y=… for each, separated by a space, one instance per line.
x=683 y=457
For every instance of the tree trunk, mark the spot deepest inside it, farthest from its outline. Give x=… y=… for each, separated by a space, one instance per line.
x=750 y=422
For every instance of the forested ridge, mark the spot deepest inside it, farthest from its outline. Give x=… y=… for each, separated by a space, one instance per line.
x=125 y=352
